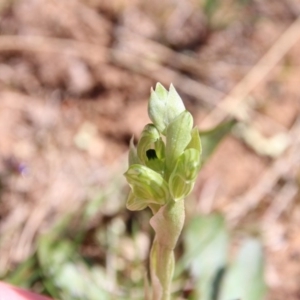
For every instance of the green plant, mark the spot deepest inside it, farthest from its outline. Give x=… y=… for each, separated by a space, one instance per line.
x=162 y=172
x=216 y=272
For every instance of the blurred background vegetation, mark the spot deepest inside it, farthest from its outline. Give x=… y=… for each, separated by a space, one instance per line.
x=75 y=78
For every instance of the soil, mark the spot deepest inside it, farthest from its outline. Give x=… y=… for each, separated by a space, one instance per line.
x=75 y=78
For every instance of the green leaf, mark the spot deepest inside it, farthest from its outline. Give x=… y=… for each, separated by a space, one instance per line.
x=66 y=274
x=206 y=242
x=52 y=253
x=26 y=274
x=177 y=139
x=211 y=139
x=147 y=184
x=77 y=281
x=245 y=278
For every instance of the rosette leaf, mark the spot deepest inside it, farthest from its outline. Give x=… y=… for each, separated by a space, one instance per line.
x=164 y=106
x=183 y=177
x=147 y=185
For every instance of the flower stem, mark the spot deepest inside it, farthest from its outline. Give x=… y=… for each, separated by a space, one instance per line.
x=167 y=224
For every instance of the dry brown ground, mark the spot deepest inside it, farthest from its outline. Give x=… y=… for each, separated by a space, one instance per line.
x=74 y=83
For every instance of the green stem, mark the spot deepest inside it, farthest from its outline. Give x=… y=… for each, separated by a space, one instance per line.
x=162 y=270
x=167 y=223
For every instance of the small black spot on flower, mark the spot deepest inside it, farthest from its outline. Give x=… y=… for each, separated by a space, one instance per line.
x=151 y=154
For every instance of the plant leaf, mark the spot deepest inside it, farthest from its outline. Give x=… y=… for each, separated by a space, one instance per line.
x=206 y=242
x=67 y=275
x=244 y=279
x=211 y=139
x=25 y=274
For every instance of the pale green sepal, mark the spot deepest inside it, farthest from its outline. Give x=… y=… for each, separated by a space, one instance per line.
x=195 y=142
x=183 y=177
x=164 y=106
x=132 y=157
x=174 y=105
x=178 y=137
x=156 y=165
x=212 y=138
x=149 y=136
x=134 y=203
x=179 y=188
x=156 y=110
x=160 y=148
x=161 y=92
x=147 y=184
x=188 y=164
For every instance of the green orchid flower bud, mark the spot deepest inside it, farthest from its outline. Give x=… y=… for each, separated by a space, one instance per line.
x=177 y=139
x=195 y=141
x=148 y=138
x=162 y=171
x=132 y=157
x=151 y=149
x=180 y=188
x=154 y=162
x=147 y=184
x=134 y=203
x=164 y=106
x=183 y=177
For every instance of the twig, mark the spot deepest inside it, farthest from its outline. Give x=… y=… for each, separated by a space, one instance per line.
x=228 y=105
x=151 y=50
x=88 y=51
x=282 y=200
x=281 y=167
x=96 y=54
